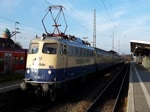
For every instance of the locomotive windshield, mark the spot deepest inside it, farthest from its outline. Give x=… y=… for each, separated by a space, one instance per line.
x=50 y=48
x=34 y=47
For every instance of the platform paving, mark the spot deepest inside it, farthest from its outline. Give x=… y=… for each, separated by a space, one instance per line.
x=8 y=86
x=139 y=89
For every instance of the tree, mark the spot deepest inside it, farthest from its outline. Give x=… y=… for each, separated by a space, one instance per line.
x=18 y=45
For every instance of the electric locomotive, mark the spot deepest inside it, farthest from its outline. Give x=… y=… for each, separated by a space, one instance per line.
x=56 y=59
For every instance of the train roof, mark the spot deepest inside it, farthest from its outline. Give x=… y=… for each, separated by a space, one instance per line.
x=8 y=43
x=113 y=52
x=101 y=51
x=5 y=40
x=98 y=50
x=73 y=42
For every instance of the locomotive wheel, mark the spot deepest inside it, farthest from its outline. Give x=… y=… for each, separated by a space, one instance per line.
x=53 y=94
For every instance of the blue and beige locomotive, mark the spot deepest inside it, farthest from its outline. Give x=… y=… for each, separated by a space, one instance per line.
x=56 y=59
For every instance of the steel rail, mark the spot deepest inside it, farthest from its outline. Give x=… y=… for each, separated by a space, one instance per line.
x=120 y=89
x=103 y=91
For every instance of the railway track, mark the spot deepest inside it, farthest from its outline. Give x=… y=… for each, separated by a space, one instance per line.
x=107 y=100
x=77 y=98
x=32 y=104
x=33 y=108
x=7 y=100
x=85 y=96
x=15 y=101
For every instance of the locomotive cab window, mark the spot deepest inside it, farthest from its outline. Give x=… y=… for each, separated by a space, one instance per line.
x=34 y=47
x=50 y=48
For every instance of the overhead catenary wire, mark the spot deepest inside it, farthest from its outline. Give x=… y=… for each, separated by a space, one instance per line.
x=7 y=19
x=111 y=22
x=85 y=27
x=47 y=2
x=22 y=24
x=108 y=12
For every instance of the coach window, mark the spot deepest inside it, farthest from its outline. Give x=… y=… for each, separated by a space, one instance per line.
x=1 y=63
x=1 y=59
x=80 y=52
x=73 y=51
x=22 y=60
x=34 y=47
x=3 y=44
x=85 y=53
x=50 y=48
x=70 y=50
x=89 y=53
x=76 y=51
x=16 y=60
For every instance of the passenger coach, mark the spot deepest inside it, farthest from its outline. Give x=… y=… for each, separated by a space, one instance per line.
x=12 y=57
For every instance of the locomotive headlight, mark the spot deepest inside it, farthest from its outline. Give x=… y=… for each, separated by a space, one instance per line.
x=28 y=71
x=49 y=72
x=45 y=87
x=23 y=86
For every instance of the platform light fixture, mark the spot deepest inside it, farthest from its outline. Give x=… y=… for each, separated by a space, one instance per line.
x=16 y=28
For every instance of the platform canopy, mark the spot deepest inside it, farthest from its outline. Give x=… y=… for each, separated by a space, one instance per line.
x=140 y=48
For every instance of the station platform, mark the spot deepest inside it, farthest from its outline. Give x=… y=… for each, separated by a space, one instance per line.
x=139 y=89
x=8 y=86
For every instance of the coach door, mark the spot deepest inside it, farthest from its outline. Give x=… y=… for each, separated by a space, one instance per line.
x=65 y=54
x=1 y=62
x=7 y=62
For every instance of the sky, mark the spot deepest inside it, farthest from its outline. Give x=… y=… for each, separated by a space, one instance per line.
x=123 y=20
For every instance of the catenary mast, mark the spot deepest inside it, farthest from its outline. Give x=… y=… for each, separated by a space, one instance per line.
x=94 y=30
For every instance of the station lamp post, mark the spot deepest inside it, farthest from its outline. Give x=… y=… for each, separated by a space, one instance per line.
x=16 y=29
